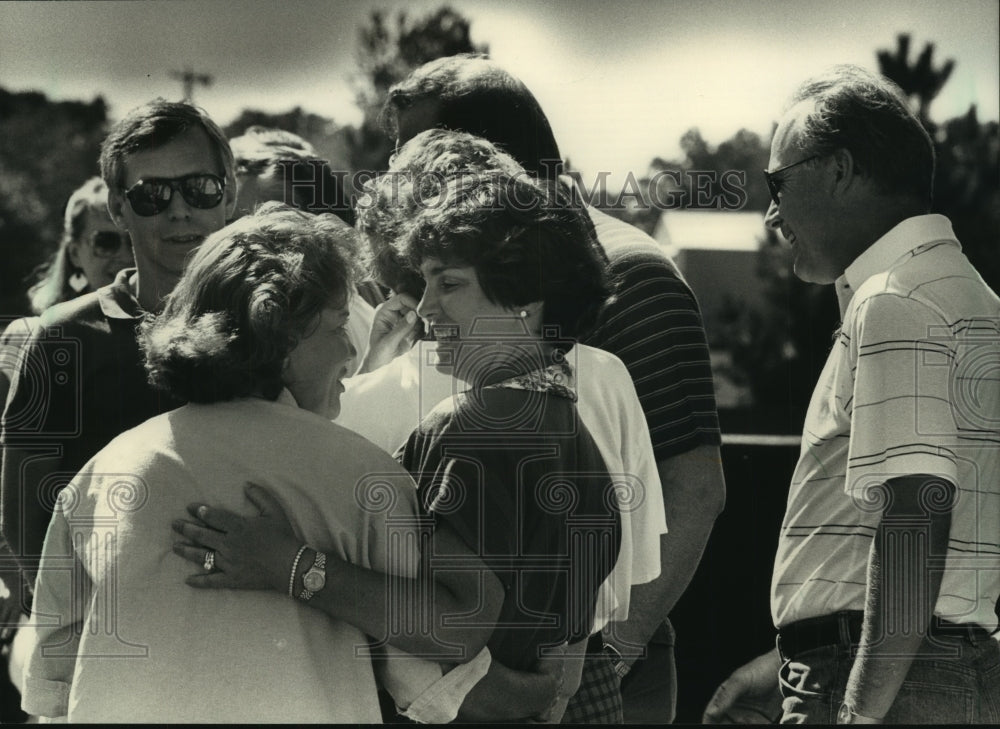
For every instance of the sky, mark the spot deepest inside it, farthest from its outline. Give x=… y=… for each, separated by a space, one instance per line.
x=620 y=81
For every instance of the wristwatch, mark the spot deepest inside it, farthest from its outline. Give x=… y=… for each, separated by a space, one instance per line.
x=845 y=715
x=315 y=579
x=617 y=661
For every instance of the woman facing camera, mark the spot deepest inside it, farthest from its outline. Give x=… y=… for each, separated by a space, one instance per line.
x=512 y=277
x=92 y=251
x=253 y=338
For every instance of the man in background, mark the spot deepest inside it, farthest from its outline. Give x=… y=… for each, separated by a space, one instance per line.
x=888 y=562
x=81 y=380
x=273 y=164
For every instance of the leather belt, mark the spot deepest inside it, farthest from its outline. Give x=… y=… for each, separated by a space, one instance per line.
x=844 y=629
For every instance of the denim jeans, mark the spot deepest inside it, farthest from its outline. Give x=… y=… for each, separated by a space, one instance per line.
x=955 y=681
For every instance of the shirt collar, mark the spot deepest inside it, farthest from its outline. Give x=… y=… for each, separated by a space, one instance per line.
x=117 y=299
x=904 y=238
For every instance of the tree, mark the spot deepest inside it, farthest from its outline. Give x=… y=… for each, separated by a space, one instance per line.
x=779 y=350
x=921 y=82
x=967 y=189
x=387 y=54
x=967 y=180
x=704 y=178
x=47 y=150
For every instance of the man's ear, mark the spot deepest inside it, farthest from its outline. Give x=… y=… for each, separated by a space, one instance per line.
x=846 y=173
x=532 y=314
x=116 y=205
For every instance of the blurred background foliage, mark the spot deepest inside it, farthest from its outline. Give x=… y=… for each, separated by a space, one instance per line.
x=779 y=351
x=48 y=147
x=47 y=150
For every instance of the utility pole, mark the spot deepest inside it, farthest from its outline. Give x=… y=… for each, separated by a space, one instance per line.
x=189 y=78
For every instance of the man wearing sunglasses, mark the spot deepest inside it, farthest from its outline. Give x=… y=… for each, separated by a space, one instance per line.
x=888 y=564
x=81 y=382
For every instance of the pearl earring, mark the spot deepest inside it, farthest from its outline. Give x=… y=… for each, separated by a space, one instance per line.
x=524 y=314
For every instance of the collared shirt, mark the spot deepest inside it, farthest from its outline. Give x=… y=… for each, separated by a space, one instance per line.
x=80 y=382
x=910 y=387
x=117 y=300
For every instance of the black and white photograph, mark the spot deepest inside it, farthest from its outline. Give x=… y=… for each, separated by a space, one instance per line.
x=454 y=361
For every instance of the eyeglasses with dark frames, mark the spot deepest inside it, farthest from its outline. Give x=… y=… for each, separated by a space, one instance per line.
x=774 y=186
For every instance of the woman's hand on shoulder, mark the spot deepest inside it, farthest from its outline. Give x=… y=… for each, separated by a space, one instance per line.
x=237 y=552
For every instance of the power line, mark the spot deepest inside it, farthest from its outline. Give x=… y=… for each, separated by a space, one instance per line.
x=189 y=78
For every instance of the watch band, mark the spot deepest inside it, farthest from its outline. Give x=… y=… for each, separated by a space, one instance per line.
x=295 y=567
x=315 y=576
x=617 y=661
x=847 y=715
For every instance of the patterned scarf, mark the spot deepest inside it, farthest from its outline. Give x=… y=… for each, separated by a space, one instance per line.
x=556 y=379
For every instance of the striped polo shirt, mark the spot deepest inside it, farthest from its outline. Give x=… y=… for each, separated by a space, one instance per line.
x=911 y=386
x=653 y=325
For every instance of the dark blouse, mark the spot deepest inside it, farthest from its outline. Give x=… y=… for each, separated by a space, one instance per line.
x=514 y=472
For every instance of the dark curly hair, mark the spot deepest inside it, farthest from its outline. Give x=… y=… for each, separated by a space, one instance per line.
x=526 y=240
x=247 y=297
x=415 y=176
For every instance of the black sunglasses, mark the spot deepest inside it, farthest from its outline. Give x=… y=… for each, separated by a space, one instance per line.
x=774 y=186
x=107 y=243
x=151 y=197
